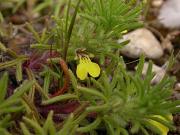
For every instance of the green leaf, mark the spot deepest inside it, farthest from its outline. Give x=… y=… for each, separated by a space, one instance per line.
x=43 y=46
x=59 y=98
x=47 y=81
x=144 y=131
x=99 y=108
x=4 y=132
x=92 y=92
x=37 y=128
x=26 y=85
x=67 y=126
x=49 y=124
x=18 y=5
x=11 y=63
x=3 y=86
x=90 y=126
x=5 y=121
x=163 y=122
x=70 y=29
x=140 y=66
x=31 y=29
x=2 y=47
x=152 y=127
x=11 y=109
x=19 y=71
x=25 y=130
x=1 y=18
x=9 y=102
x=44 y=4
x=73 y=81
x=109 y=127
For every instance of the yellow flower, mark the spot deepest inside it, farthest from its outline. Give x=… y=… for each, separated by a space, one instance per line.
x=164 y=130
x=86 y=66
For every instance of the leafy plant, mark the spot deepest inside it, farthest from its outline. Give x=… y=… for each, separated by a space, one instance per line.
x=96 y=30
x=128 y=100
x=53 y=101
x=12 y=104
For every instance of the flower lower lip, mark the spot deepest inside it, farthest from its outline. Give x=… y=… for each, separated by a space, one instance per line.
x=85 y=67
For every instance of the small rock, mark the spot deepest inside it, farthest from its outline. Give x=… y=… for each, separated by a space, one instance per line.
x=159 y=72
x=169 y=14
x=157 y=3
x=142 y=41
x=177 y=87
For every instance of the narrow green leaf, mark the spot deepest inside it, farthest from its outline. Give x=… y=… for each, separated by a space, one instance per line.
x=67 y=126
x=11 y=63
x=163 y=122
x=36 y=35
x=7 y=103
x=92 y=92
x=73 y=81
x=49 y=125
x=148 y=78
x=44 y=4
x=106 y=84
x=67 y=16
x=3 y=86
x=26 y=85
x=24 y=129
x=171 y=60
x=90 y=126
x=144 y=131
x=140 y=66
x=59 y=98
x=37 y=128
x=57 y=8
x=11 y=109
x=109 y=127
x=123 y=131
x=1 y=17
x=97 y=84
x=44 y=36
x=4 y=132
x=150 y=126
x=89 y=18
x=18 y=5
x=19 y=71
x=5 y=121
x=70 y=29
x=44 y=46
x=2 y=47
x=47 y=82
x=99 y=108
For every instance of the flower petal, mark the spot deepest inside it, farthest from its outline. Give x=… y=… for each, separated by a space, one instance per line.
x=93 y=69
x=81 y=71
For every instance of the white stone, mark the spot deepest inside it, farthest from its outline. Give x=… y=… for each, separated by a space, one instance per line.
x=142 y=41
x=169 y=14
x=157 y=3
x=158 y=71
x=177 y=87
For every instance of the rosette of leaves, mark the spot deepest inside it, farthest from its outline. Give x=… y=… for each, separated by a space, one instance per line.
x=106 y=21
x=118 y=103
x=30 y=127
x=125 y=103
x=95 y=26
x=11 y=106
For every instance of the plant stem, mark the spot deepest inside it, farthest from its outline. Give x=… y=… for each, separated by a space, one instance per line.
x=66 y=78
x=69 y=32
